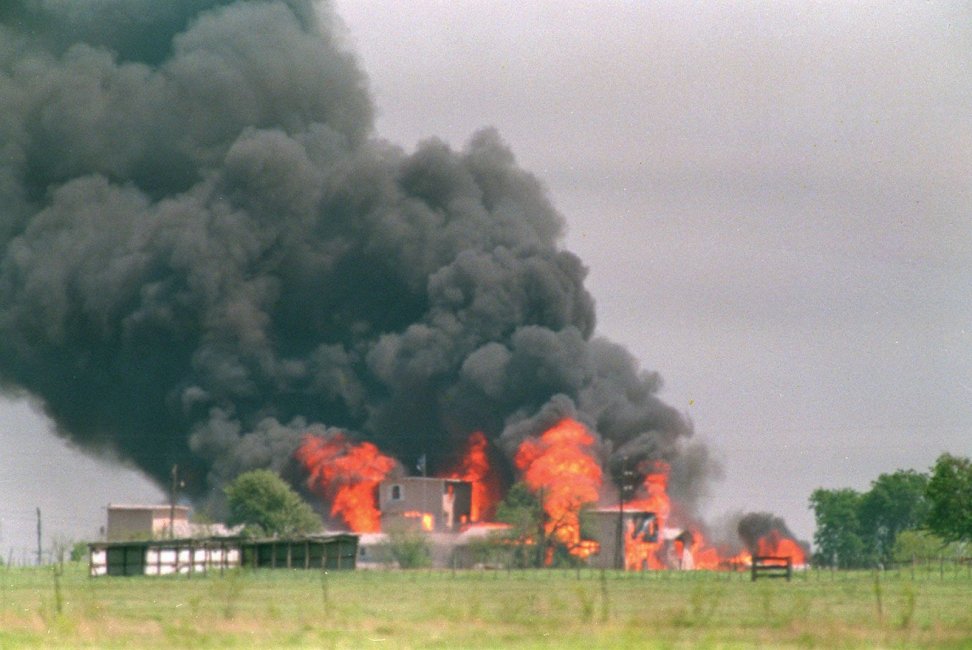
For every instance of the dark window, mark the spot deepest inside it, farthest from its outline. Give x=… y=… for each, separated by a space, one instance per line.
x=396 y=492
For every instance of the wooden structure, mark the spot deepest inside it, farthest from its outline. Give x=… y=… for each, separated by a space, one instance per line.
x=163 y=557
x=200 y=556
x=771 y=566
x=339 y=551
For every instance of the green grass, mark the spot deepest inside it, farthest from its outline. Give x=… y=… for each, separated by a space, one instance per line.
x=484 y=609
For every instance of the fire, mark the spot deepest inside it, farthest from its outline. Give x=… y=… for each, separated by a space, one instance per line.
x=640 y=552
x=773 y=544
x=653 y=496
x=559 y=466
x=475 y=468
x=705 y=557
x=428 y=521
x=346 y=475
x=777 y=545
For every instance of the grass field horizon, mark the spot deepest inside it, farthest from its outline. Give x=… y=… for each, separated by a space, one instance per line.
x=484 y=609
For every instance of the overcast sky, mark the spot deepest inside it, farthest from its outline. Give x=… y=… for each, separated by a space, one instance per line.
x=773 y=201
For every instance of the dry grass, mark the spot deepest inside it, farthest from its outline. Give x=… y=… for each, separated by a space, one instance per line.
x=529 y=609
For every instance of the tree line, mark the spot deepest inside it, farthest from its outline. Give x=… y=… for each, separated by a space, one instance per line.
x=903 y=514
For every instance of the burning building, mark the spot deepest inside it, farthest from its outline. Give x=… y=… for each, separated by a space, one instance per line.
x=426 y=504
x=617 y=532
x=562 y=514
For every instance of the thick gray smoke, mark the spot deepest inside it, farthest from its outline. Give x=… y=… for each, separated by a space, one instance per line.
x=207 y=252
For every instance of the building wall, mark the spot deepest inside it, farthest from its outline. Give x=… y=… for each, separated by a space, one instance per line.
x=145 y=522
x=421 y=503
x=161 y=518
x=603 y=527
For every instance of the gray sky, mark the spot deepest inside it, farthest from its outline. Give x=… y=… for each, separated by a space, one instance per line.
x=772 y=199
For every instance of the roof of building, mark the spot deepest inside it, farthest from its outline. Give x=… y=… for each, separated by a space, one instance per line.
x=138 y=506
x=222 y=541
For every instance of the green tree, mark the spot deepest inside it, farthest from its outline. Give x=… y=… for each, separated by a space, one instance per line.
x=922 y=545
x=536 y=537
x=79 y=551
x=837 y=537
x=949 y=496
x=896 y=502
x=523 y=511
x=409 y=548
x=266 y=505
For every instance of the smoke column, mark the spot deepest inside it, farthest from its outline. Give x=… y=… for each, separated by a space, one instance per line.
x=756 y=526
x=206 y=252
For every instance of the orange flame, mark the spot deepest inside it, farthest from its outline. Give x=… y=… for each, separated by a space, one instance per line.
x=428 y=521
x=773 y=544
x=778 y=545
x=475 y=468
x=653 y=497
x=706 y=557
x=346 y=475
x=640 y=553
x=560 y=467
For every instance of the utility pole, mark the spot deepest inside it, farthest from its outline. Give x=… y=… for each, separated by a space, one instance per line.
x=623 y=489
x=541 y=531
x=172 y=500
x=39 y=552
x=619 y=551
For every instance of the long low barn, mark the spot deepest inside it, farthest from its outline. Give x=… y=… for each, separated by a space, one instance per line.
x=189 y=556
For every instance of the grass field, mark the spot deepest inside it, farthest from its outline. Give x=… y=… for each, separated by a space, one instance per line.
x=473 y=609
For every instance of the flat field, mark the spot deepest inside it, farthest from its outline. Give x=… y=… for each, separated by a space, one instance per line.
x=485 y=609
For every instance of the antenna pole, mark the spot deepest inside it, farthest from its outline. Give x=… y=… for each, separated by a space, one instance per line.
x=38 y=537
x=172 y=500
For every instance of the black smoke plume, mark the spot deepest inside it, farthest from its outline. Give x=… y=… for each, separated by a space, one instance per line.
x=754 y=526
x=206 y=252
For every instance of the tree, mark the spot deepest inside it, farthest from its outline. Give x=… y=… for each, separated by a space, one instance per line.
x=266 y=505
x=409 y=548
x=922 y=545
x=523 y=511
x=79 y=551
x=949 y=495
x=537 y=538
x=896 y=502
x=838 y=538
